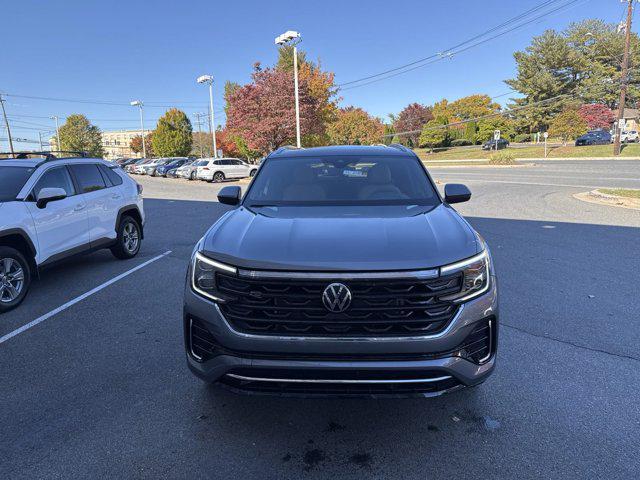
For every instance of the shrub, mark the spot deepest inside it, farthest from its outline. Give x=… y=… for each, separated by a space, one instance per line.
x=523 y=138
x=461 y=142
x=502 y=158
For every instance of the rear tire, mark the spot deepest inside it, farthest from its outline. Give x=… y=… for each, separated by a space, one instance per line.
x=15 y=278
x=218 y=177
x=129 y=239
x=252 y=173
x=192 y=176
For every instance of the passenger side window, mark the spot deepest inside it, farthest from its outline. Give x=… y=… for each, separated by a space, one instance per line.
x=88 y=177
x=55 y=178
x=111 y=176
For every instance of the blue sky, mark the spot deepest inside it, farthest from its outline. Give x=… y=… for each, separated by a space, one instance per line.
x=117 y=51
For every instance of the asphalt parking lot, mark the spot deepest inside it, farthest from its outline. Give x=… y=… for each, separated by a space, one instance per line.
x=101 y=388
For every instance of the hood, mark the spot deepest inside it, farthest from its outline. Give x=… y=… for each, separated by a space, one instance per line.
x=341 y=238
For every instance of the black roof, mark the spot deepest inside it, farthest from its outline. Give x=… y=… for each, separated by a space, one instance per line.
x=355 y=150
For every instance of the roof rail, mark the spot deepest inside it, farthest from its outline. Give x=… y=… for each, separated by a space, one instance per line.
x=48 y=155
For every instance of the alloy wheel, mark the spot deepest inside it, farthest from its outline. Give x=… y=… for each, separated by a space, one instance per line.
x=130 y=237
x=218 y=177
x=11 y=280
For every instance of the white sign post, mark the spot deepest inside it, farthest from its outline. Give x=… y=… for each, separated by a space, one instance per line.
x=496 y=137
x=546 y=135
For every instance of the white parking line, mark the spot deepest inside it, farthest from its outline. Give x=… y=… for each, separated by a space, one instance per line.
x=61 y=308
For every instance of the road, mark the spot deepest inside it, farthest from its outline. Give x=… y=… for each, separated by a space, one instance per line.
x=101 y=389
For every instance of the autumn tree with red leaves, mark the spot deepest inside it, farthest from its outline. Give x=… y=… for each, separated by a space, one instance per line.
x=263 y=112
x=411 y=119
x=597 y=115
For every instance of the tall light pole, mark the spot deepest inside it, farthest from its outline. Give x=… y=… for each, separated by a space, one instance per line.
x=139 y=104
x=209 y=79
x=55 y=117
x=293 y=38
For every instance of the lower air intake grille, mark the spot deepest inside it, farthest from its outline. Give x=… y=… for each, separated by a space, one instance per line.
x=203 y=345
x=478 y=346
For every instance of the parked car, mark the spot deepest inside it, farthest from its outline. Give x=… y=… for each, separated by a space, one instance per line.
x=220 y=169
x=595 y=137
x=52 y=208
x=491 y=144
x=190 y=170
x=629 y=136
x=126 y=162
x=171 y=165
x=369 y=281
x=171 y=173
x=136 y=168
x=150 y=167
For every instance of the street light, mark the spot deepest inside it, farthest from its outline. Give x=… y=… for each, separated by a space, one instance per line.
x=55 y=117
x=209 y=79
x=139 y=104
x=293 y=38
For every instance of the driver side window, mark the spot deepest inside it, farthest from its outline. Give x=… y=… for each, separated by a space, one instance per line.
x=55 y=178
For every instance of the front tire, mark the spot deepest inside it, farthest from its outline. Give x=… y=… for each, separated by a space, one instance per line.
x=15 y=278
x=129 y=239
x=192 y=176
x=252 y=173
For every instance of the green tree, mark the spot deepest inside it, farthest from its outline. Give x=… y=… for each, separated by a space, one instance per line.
x=470 y=131
x=78 y=134
x=487 y=126
x=567 y=125
x=173 y=135
x=354 y=126
x=434 y=133
x=473 y=106
x=582 y=64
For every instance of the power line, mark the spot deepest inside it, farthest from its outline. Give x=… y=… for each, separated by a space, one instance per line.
x=450 y=52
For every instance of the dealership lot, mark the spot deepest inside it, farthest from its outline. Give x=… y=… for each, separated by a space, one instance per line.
x=101 y=388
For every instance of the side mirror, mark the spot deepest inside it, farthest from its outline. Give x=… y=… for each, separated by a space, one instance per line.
x=229 y=195
x=456 y=193
x=47 y=195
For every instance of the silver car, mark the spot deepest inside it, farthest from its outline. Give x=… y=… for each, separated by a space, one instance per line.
x=190 y=170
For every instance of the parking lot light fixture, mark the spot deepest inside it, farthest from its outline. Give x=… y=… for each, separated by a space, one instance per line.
x=203 y=79
x=139 y=104
x=293 y=38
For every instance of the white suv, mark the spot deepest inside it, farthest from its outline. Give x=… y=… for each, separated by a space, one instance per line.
x=51 y=208
x=219 y=169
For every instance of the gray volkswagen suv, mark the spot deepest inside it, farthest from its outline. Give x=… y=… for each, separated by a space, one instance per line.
x=342 y=271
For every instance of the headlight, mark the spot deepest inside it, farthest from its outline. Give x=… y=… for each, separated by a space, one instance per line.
x=476 y=277
x=203 y=276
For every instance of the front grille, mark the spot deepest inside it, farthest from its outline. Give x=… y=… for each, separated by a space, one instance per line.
x=294 y=307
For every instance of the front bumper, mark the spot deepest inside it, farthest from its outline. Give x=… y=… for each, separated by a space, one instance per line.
x=396 y=366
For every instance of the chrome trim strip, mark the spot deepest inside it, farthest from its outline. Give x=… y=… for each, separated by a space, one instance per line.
x=338 y=381
x=409 y=274
x=443 y=333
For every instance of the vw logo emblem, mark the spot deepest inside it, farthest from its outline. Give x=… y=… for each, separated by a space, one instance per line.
x=336 y=297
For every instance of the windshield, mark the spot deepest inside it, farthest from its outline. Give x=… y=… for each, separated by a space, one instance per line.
x=341 y=181
x=12 y=179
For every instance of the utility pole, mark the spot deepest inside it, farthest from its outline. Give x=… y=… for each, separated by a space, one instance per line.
x=624 y=81
x=199 y=123
x=6 y=123
x=58 y=146
x=40 y=140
